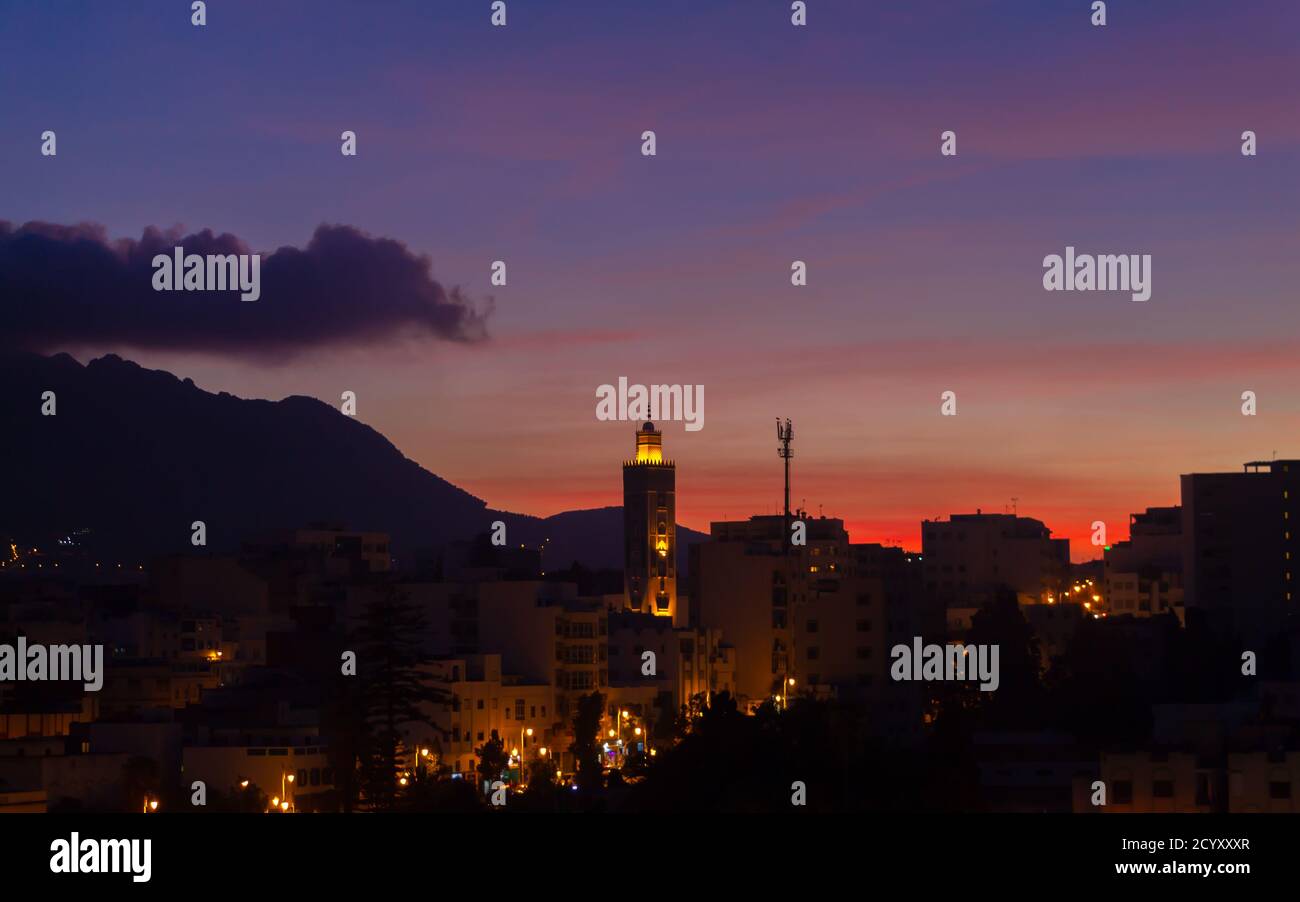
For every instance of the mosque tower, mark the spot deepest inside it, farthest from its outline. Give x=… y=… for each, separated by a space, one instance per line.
x=650 y=527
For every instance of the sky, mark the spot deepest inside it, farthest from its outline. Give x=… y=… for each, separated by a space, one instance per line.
x=775 y=143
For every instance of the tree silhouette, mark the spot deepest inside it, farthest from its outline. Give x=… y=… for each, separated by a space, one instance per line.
x=392 y=687
x=492 y=759
x=1018 y=700
x=586 y=745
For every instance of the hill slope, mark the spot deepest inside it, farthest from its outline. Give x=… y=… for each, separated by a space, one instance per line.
x=137 y=455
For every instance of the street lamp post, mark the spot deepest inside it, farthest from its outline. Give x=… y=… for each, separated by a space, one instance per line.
x=523 y=749
x=285 y=776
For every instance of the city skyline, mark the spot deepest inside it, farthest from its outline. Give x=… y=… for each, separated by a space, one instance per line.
x=775 y=144
x=389 y=392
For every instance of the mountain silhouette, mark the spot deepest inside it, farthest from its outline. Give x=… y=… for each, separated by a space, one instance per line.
x=135 y=456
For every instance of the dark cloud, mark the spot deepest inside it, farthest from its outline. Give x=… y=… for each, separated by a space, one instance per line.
x=71 y=286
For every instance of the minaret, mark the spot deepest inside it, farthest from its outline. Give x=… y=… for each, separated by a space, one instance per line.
x=650 y=527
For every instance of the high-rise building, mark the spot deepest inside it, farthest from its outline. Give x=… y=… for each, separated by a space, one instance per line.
x=1240 y=544
x=650 y=527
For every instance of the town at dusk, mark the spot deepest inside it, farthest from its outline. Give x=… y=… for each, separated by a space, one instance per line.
x=611 y=411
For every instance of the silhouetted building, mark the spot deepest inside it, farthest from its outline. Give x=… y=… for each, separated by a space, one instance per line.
x=1239 y=541
x=971 y=558
x=1144 y=575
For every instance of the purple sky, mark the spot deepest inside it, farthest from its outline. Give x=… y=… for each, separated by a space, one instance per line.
x=775 y=143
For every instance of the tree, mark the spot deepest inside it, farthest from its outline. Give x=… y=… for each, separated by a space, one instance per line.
x=392 y=688
x=1018 y=701
x=586 y=746
x=442 y=796
x=492 y=759
x=241 y=799
x=544 y=792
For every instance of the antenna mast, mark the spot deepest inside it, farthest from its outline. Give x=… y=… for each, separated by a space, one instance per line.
x=785 y=435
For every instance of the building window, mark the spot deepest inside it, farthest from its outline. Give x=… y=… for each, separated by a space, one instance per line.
x=1162 y=789
x=813 y=652
x=1123 y=792
x=1279 y=789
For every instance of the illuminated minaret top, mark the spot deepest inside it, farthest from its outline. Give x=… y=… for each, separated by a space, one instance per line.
x=649 y=445
x=650 y=527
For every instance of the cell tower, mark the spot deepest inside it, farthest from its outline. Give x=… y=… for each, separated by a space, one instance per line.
x=785 y=435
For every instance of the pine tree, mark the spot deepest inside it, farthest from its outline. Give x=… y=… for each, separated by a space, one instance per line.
x=392 y=688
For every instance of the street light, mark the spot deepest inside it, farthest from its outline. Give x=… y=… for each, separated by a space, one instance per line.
x=285 y=777
x=524 y=736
